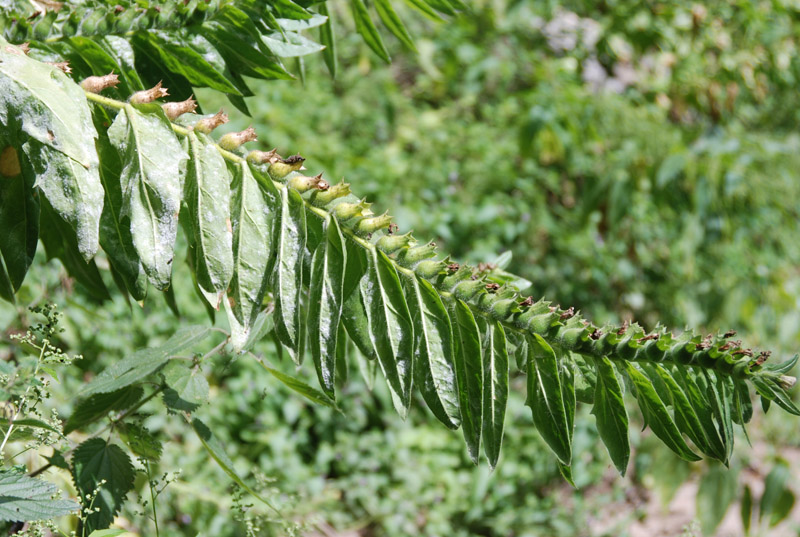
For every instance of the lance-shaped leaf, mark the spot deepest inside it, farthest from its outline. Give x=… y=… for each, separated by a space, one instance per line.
x=393 y=23
x=153 y=164
x=546 y=399
x=656 y=415
x=254 y=218
x=25 y=499
x=469 y=375
x=367 y=29
x=287 y=277
x=495 y=390
x=390 y=326
x=94 y=461
x=325 y=304
x=699 y=399
x=207 y=193
x=328 y=39
x=610 y=415
x=19 y=215
x=45 y=114
x=434 y=371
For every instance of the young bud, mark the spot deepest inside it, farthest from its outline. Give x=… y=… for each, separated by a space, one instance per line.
x=371 y=225
x=208 y=124
x=345 y=211
x=417 y=253
x=148 y=96
x=173 y=110
x=281 y=168
x=64 y=66
x=391 y=243
x=322 y=198
x=467 y=289
x=233 y=140
x=786 y=382
x=263 y=157
x=303 y=183
x=429 y=268
x=96 y=84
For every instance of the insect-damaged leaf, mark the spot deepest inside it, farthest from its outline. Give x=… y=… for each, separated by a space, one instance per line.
x=254 y=217
x=45 y=114
x=495 y=390
x=545 y=397
x=287 y=277
x=469 y=374
x=390 y=327
x=434 y=371
x=325 y=304
x=207 y=193
x=153 y=164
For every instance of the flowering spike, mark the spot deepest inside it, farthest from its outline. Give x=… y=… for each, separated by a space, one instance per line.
x=233 y=140
x=322 y=198
x=96 y=84
x=148 y=96
x=263 y=157
x=281 y=168
x=303 y=183
x=208 y=124
x=173 y=110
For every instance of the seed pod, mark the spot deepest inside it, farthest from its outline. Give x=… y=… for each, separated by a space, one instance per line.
x=233 y=140
x=468 y=289
x=389 y=244
x=281 y=168
x=208 y=124
x=429 y=269
x=463 y=273
x=173 y=110
x=323 y=198
x=25 y=48
x=303 y=183
x=345 y=211
x=371 y=225
x=263 y=157
x=96 y=84
x=417 y=253
x=148 y=96
x=64 y=66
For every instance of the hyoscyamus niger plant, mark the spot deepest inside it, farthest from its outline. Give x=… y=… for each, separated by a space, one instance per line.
x=95 y=159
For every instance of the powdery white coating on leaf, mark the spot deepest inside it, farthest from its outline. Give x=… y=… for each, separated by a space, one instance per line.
x=153 y=164
x=48 y=115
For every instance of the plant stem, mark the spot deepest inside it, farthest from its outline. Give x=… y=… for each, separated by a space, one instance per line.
x=22 y=400
x=152 y=495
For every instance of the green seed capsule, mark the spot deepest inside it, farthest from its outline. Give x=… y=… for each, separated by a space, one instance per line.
x=416 y=254
x=371 y=225
x=323 y=198
x=430 y=269
x=392 y=243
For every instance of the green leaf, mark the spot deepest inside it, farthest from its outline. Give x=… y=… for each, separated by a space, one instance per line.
x=288 y=274
x=367 y=29
x=99 y=405
x=254 y=218
x=546 y=399
x=153 y=163
x=469 y=375
x=298 y=25
x=207 y=194
x=698 y=397
x=25 y=499
x=425 y=9
x=720 y=394
x=390 y=327
x=6 y=287
x=94 y=461
x=296 y=385
x=262 y=326
x=776 y=394
x=239 y=45
x=656 y=415
x=19 y=216
x=717 y=491
x=140 y=440
x=217 y=452
x=59 y=242
x=145 y=362
x=610 y=415
x=111 y=532
x=120 y=49
x=45 y=114
x=290 y=44
x=434 y=371
x=746 y=509
x=393 y=23
x=188 y=387
x=328 y=39
x=325 y=294
x=495 y=390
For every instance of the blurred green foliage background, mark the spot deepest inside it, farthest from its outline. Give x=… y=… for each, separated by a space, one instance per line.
x=638 y=158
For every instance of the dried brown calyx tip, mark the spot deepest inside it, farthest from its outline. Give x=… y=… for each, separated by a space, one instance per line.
x=527 y=303
x=486 y=267
x=729 y=333
x=208 y=124
x=294 y=159
x=392 y=228
x=263 y=157
x=706 y=343
x=64 y=66
x=453 y=267
x=623 y=328
x=597 y=334
x=148 y=96
x=96 y=84
x=233 y=140
x=735 y=344
x=492 y=287
x=648 y=338
x=173 y=110
x=25 y=48
x=118 y=9
x=763 y=356
x=743 y=352
x=567 y=314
